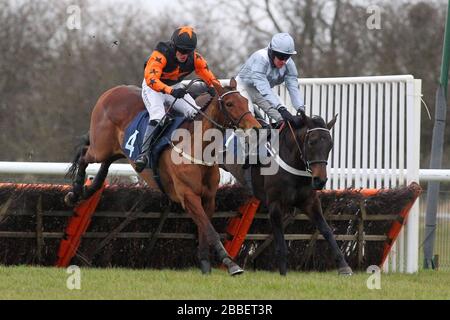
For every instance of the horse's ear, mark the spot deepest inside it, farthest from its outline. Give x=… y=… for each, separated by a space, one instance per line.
x=218 y=87
x=233 y=83
x=332 y=122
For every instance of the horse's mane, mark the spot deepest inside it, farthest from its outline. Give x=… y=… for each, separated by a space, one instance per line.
x=315 y=121
x=318 y=121
x=306 y=123
x=203 y=108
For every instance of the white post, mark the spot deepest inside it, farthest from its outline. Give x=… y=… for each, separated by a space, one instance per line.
x=336 y=136
x=413 y=152
x=372 y=146
x=351 y=126
x=329 y=116
x=358 y=135
x=345 y=142
x=379 y=129
x=365 y=142
x=402 y=152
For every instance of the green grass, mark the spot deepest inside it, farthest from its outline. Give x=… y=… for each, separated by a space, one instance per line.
x=24 y=282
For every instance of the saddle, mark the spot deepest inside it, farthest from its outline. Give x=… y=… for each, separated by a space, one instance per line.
x=134 y=136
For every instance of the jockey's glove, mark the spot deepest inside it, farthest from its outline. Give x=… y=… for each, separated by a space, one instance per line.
x=211 y=91
x=300 y=109
x=178 y=92
x=285 y=114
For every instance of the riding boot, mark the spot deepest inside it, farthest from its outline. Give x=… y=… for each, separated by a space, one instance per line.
x=143 y=158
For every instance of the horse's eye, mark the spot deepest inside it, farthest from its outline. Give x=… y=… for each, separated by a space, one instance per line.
x=229 y=104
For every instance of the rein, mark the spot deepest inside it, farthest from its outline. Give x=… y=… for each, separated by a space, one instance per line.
x=205 y=115
x=232 y=123
x=296 y=142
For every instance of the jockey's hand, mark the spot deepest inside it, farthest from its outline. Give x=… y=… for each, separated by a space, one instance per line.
x=300 y=109
x=211 y=91
x=301 y=112
x=286 y=115
x=178 y=92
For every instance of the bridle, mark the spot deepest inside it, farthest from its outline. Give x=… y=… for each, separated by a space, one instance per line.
x=303 y=156
x=232 y=123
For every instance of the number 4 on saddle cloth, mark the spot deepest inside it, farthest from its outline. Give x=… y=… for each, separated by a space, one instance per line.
x=134 y=136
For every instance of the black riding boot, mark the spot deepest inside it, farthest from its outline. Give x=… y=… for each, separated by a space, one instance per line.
x=248 y=179
x=143 y=159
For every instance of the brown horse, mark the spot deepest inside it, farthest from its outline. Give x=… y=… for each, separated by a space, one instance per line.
x=194 y=186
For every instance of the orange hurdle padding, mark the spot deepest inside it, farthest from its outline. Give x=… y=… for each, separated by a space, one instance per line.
x=239 y=226
x=32 y=186
x=397 y=226
x=364 y=192
x=77 y=226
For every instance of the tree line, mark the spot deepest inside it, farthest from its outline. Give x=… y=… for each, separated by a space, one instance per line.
x=51 y=75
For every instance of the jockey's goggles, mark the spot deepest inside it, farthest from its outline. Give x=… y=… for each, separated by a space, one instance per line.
x=184 y=51
x=281 y=56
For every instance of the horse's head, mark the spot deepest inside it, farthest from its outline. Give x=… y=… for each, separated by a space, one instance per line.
x=234 y=107
x=315 y=143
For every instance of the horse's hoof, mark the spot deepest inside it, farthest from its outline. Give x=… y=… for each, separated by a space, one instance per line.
x=345 y=271
x=235 y=270
x=283 y=269
x=70 y=199
x=205 y=267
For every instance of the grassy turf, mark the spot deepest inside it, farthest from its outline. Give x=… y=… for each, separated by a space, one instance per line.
x=25 y=282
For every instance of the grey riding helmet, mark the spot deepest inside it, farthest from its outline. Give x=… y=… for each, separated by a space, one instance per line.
x=282 y=46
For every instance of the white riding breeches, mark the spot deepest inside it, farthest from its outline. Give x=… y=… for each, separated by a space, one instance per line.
x=155 y=101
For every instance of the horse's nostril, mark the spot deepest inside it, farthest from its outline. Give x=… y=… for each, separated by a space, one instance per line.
x=316 y=180
x=318 y=183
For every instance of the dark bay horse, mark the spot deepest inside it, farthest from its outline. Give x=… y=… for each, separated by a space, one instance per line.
x=302 y=151
x=194 y=186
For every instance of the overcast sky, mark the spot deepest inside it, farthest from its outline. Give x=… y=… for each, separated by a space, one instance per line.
x=151 y=5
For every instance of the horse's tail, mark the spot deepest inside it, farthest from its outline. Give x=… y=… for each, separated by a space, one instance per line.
x=80 y=150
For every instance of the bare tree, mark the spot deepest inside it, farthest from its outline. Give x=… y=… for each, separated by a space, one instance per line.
x=50 y=76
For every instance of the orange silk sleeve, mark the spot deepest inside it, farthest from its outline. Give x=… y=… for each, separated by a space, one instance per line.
x=202 y=69
x=153 y=71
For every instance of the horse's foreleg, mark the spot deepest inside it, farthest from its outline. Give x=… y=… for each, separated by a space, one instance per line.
x=193 y=206
x=317 y=218
x=276 y=219
x=209 y=205
x=203 y=253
